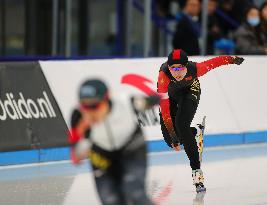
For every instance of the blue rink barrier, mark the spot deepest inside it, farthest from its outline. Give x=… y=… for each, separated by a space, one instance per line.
x=62 y=153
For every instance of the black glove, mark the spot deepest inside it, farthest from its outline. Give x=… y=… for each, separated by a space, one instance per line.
x=143 y=103
x=153 y=100
x=238 y=60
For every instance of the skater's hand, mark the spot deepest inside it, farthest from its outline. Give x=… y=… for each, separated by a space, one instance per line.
x=80 y=151
x=238 y=60
x=176 y=147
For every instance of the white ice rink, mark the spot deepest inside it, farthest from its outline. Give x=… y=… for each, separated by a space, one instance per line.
x=233 y=175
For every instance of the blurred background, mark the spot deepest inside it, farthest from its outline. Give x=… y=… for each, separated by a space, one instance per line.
x=130 y=28
x=34 y=152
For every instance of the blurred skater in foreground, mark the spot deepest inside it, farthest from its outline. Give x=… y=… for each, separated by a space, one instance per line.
x=106 y=129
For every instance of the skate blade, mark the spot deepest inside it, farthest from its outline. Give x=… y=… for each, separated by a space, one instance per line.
x=201 y=139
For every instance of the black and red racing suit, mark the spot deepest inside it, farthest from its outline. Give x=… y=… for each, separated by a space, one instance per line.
x=179 y=102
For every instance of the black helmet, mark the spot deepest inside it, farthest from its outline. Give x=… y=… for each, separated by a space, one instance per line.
x=177 y=56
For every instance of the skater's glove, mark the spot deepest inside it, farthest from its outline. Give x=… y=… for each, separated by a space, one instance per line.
x=175 y=143
x=176 y=147
x=79 y=146
x=80 y=151
x=175 y=140
x=153 y=100
x=238 y=60
x=74 y=158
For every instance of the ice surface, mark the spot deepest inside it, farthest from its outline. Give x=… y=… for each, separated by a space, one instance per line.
x=233 y=175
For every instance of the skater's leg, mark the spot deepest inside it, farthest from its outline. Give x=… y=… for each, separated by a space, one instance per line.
x=183 y=121
x=133 y=180
x=107 y=177
x=108 y=190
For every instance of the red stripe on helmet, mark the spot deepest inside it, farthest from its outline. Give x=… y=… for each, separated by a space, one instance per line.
x=176 y=55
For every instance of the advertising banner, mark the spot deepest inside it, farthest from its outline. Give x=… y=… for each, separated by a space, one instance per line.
x=233 y=97
x=29 y=115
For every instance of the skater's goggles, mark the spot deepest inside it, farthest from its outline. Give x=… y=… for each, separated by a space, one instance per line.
x=91 y=104
x=178 y=68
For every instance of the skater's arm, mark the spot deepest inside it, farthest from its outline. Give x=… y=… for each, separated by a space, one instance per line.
x=163 y=82
x=206 y=66
x=79 y=128
x=76 y=137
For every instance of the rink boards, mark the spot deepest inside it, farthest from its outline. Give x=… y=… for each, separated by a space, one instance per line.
x=233 y=99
